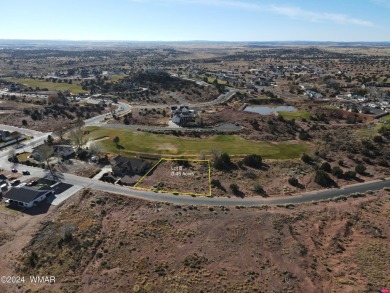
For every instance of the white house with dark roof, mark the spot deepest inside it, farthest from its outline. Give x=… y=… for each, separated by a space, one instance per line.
x=26 y=196
x=182 y=115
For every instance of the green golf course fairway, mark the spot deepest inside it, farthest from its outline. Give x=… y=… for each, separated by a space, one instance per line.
x=140 y=142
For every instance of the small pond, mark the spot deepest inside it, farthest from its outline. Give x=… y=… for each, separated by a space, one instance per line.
x=267 y=110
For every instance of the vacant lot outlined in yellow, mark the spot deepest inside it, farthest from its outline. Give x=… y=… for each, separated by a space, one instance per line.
x=176 y=192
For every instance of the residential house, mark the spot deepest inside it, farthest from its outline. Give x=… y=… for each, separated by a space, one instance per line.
x=26 y=196
x=63 y=151
x=123 y=166
x=182 y=115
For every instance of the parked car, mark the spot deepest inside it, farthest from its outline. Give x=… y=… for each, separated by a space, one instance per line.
x=25 y=172
x=15 y=182
x=32 y=183
x=14 y=170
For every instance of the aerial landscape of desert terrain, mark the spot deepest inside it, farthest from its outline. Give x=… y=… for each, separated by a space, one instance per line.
x=195 y=146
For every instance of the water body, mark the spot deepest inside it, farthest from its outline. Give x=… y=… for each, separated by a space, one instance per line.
x=267 y=110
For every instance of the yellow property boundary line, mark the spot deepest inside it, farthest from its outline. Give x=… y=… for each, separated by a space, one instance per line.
x=166 y=191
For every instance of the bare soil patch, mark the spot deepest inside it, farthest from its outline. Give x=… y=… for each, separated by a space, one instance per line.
x=116 y=243
x=180 y=176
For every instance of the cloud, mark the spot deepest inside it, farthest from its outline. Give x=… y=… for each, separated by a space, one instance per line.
x=385 y=3
x=289 y=11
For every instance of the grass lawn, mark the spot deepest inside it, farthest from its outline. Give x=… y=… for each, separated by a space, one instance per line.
x=140 y=142
x=24 y=156
x=7 y=211
x=117 y=77
x=300 y=114
x=51 y=86
x=386 y=118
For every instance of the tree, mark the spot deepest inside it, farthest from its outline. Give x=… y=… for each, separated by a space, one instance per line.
x=258 y=189
x=116 y=140
x=304 y=135
x=43 y=153
x=24 y=122
x=12 y=154
x=360 y=169
x=378 y=139
x=337 y=171
x=96 y=149
x=293 y=181
x=326 y=167
x=253 y=161
x=322 y=178
x=50 y=140
x=350 y=174
x=385 y=130
x=222 y=162
x=60 y=132
x=234 y=187
x=77 y=135
x=306 y=158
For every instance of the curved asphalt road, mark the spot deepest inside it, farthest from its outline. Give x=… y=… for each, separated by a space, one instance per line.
x=212 y=201
x=254 y=201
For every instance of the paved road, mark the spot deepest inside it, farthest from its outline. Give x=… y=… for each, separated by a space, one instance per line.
x=38 y=138
x=215 y=201
x=25 y=131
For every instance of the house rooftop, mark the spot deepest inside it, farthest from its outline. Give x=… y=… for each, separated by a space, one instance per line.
x=136 y=164
x=24 y=194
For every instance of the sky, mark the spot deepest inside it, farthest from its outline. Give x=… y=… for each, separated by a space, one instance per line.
x=187 y=20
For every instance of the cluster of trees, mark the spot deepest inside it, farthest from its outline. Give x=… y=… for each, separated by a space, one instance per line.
x=161 y=81
x=63 y=111
x=322 y=176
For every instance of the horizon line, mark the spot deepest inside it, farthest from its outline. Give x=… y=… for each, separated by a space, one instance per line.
x=189 y=41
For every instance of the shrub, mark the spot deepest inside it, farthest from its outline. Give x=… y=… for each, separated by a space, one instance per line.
x=250 y=175
x=258 y=189
x=384 y=130
x=326 y=167
x=350 y=174
x=304 y=136
x=337 y=172
x=293 y=181
x=222 y=162
x=215 y=183
x=306 y=158
x=33 y=259
x=234 y=187
x=322 y=178
x=378 y=139
x=360 y=169
x=253 y=160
